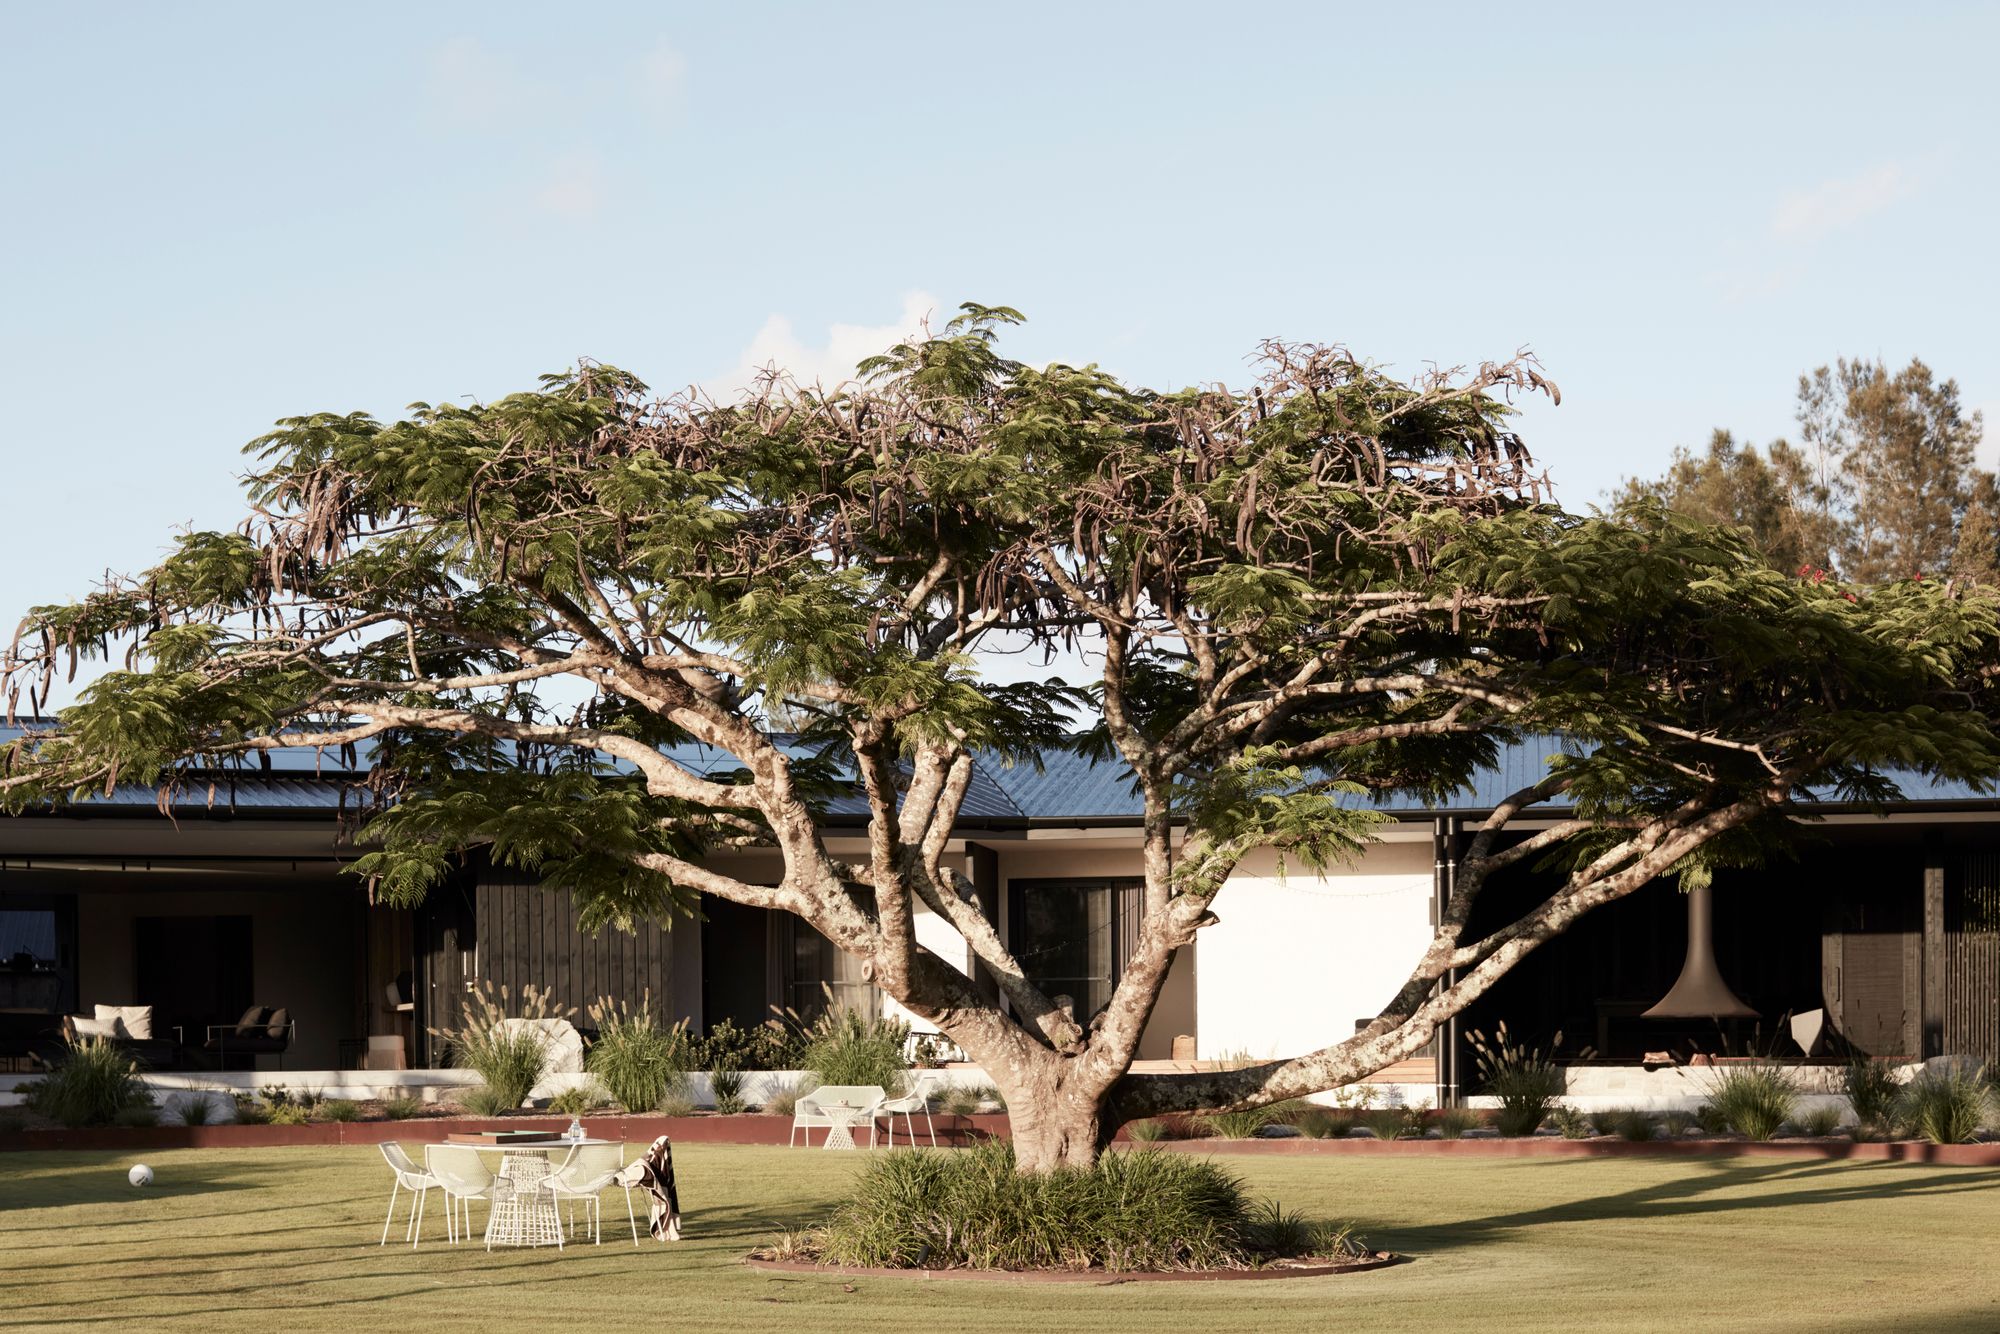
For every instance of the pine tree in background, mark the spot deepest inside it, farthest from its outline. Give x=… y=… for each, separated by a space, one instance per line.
x=1903 y=448
x=1776 y=497
x=1883 y=484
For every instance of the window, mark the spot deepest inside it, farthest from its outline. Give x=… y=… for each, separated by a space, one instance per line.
x=37 y=952
x=814 y=975
x=1074 y=936
x=28 y=939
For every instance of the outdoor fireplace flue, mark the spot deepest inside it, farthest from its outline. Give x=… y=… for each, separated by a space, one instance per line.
x=1699 y=992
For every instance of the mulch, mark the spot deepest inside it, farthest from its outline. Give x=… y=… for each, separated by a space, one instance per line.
x=1100 y=1277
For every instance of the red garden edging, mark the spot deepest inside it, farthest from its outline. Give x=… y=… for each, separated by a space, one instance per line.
x=1101 y=1277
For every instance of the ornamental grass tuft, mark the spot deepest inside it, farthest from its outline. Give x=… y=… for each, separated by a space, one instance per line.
x=780 y=1097
x=727 y=1086
x=1246 y=1123
x=483 y=1102
x=1945 y=1106
x=574 y=1101
x=197 y=1107
x=1453 y=1122
x=91 y=1084
x=1570 y=1123
x=1525 y=1079
x=1873 y=1091
x=511 y=1058
x=844 y=1046
x=1635 y=1126
x=970 y=1208
x=639 y=1061
x=971 y=1099
x=1321 y=1122
x=1755 y=1101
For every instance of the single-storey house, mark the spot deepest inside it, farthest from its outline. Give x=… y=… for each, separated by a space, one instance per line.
x=235 y=897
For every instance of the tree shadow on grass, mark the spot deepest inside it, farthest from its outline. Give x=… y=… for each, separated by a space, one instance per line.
x=357 y=1241
x=1727 y=1186
x=103 y=1183
x=415 y=1273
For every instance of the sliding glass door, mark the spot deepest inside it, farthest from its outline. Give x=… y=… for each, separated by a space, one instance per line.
x=1074 y=936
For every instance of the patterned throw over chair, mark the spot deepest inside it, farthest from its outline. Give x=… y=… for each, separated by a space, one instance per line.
x=592 y=1169
x=412 y=1178
x=654 y=1174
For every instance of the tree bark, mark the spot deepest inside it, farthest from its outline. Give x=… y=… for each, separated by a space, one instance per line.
x=1056 y=1121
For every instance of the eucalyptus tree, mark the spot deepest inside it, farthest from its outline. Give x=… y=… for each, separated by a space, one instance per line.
x=1327 y=584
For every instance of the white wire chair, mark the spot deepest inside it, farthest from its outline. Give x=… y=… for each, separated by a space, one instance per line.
x=414 y=1179
x=463 y=1176
x=917 y=1100
x=584 y=1176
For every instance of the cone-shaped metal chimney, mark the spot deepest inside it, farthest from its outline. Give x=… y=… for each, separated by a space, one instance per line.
x=1699 y=992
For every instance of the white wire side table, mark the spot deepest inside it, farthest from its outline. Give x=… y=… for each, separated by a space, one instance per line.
x=524 y=1209
x=841 y=1117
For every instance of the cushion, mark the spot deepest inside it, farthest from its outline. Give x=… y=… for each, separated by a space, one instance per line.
x=280 y=1021
x=130 y=1021
x=83 y=1026
x=252 y=1023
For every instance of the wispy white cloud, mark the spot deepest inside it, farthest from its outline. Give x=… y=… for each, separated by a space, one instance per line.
x=1841 y=202
x=475 y=85
x=660 y=82
x=777 y=345
x=575 y=189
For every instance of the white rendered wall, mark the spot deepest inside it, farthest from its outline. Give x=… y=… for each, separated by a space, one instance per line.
x=1295 y=960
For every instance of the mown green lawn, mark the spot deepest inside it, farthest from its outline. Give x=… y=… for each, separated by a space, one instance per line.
x=285 y=1239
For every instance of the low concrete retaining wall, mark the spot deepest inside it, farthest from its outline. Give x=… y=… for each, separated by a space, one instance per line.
x=434 y=1086
x=746 y=1129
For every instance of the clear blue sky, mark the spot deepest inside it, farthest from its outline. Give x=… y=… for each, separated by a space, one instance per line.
x=215 y=215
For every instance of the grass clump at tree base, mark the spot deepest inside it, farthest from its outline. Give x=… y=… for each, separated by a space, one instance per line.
x=1144 y=1210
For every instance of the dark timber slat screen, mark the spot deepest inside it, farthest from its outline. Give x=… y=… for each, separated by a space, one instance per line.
x=1971 y=959
x=528 y=936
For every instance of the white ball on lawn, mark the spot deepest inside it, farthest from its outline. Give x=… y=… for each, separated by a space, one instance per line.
x=140 y=1175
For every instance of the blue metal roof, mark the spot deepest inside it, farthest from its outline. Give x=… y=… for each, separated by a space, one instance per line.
x=1063 y=788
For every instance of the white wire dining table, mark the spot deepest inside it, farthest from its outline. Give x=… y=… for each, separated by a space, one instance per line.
x=523 y=1211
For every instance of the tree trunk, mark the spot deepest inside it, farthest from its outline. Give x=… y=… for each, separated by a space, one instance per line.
x=1054 y=1121
x=1065 y=1134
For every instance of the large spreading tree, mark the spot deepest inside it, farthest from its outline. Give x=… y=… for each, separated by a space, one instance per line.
x=1328 y=584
